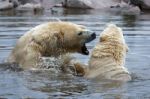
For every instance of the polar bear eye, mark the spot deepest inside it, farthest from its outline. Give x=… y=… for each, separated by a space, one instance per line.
x=80 y=33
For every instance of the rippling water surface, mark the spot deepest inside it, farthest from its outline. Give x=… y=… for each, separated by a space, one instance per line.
x=29 y=84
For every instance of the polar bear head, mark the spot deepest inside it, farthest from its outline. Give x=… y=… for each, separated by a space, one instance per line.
x=73 y=37
x=112 y=33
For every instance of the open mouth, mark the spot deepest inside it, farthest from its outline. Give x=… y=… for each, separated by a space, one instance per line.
x=84 y=50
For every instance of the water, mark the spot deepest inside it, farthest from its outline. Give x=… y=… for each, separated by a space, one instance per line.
x=44 y=84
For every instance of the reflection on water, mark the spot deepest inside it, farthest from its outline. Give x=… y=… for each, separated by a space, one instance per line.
x=44 y=84
x=129 y=20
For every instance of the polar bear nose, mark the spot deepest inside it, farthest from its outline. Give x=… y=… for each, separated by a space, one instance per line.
x=93 y=35
x=90 y=38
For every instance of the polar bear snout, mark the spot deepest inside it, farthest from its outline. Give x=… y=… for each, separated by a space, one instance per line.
x=91 y=37
x=88 y=37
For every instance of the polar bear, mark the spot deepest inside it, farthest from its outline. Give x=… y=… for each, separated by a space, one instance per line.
x=108 y=56
x=50 y=39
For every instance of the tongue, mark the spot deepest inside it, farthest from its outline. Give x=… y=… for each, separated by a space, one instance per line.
x=84 y=50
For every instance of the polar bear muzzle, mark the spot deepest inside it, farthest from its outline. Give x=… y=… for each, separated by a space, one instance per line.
x=89 y=39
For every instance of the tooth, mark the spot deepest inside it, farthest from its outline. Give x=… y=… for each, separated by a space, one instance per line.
x=87 y=51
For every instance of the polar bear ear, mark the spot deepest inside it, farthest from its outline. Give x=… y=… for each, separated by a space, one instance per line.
x=82 y=27
x=102 y=39
x=58 y=20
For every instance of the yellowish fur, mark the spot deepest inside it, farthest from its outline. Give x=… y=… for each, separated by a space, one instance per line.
x=108 y=57
x=48 y=39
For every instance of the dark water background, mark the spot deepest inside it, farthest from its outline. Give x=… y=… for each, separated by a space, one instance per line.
x=29 y=84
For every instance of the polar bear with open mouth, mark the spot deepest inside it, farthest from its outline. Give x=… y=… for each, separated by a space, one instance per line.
x=50 y=39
